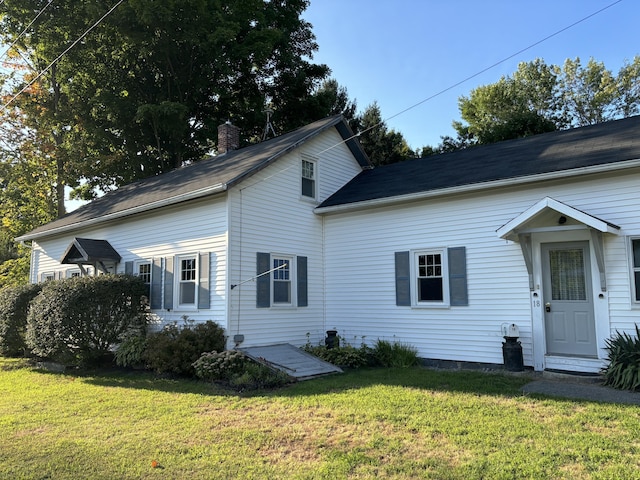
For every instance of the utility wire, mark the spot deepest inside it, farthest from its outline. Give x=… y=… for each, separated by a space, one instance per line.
x=4 y=107
x=457 y=84
x=25 y=30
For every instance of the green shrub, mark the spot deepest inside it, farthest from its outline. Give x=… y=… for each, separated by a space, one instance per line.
x=130 y=353
x=214 y=366
x=174 y=349
x=623 y=371
x=78 y=321
x=395 y=354
x=14 y=305
x=344 y=356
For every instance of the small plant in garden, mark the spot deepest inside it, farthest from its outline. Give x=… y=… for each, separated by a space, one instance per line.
x=130 y=353
x=395 y=354
x=213 y=366
x=238 y=370
x=344 y=355
x=384 y=353
x=623 y=371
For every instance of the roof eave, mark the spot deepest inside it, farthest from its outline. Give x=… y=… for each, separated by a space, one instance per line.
x=203 y=192
x=476 y=187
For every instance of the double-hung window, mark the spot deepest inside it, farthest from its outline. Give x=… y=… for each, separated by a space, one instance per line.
x=430 y=274
x=431 y=277
x=635 y=270
x=281 y=280
x=179 y=282
x=187 y=281
x=143 y=271
x=309 y=178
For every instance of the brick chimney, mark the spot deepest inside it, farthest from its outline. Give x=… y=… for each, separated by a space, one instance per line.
x=228 y=137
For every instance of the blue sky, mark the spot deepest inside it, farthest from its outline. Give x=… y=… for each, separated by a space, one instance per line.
x=400 y=52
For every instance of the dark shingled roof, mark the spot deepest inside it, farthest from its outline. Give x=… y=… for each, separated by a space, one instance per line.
x=209 y=176
x=88 y=251
x=566 y=150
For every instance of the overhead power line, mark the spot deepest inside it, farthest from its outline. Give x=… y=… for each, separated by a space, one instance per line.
x=457 y=84
x=4 y=107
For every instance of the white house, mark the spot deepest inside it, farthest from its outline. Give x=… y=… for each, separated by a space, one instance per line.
x=441 y=253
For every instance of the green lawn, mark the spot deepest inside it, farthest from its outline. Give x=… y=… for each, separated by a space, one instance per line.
x=374 y=423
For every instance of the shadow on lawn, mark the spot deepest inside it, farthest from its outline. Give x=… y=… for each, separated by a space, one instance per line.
x=475 y=382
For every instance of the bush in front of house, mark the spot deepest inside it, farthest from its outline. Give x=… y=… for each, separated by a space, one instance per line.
x=623 y=371
x=14 y=306
x=174 y=349
x=79 y=320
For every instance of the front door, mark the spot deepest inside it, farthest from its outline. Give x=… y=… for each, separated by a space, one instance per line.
x=568 y=301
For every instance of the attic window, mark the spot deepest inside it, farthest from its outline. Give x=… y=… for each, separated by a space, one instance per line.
x=308 y=178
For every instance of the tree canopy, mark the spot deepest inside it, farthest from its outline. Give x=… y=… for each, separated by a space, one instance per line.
x=540 y=98
x=145 y=90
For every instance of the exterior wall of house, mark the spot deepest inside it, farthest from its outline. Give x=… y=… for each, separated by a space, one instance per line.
x=189 y=228
x=360 y=269
x=270 y=216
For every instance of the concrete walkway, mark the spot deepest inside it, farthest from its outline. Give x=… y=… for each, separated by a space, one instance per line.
x=576 y=389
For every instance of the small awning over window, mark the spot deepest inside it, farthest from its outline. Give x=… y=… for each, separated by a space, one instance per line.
x=85 y=251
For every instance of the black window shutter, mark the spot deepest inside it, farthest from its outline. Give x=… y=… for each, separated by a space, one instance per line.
x=301 y=271
x=155 y=295
x=128 y=268
x=168 y=283
x=458 y=276
x=203 y=284
x=403 y=281
x=263 y=283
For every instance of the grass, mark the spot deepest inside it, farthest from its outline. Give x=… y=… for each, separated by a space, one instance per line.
x=371 y=423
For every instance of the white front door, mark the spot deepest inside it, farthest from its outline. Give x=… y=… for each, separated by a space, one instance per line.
x=568 y=300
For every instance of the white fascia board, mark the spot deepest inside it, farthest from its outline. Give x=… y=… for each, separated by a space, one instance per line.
x=203 y=192
x=477 y=187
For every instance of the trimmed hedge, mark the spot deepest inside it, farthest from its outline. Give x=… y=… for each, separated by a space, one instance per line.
x=78 y=321
x=14 y=306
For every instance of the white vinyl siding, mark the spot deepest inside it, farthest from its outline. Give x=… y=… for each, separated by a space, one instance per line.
x=198 y=226
x=268 y=216
x=362 y=303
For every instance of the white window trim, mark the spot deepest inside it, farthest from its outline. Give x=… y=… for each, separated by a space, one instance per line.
x=47 y=276
x=69 y=273
x=445 y=303
x=293 y=280
x=177 y=262
x=314 y=162
x=144 y=261
x=635 y=303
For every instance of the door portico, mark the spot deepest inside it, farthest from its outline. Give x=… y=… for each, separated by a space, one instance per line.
x=563 y=249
